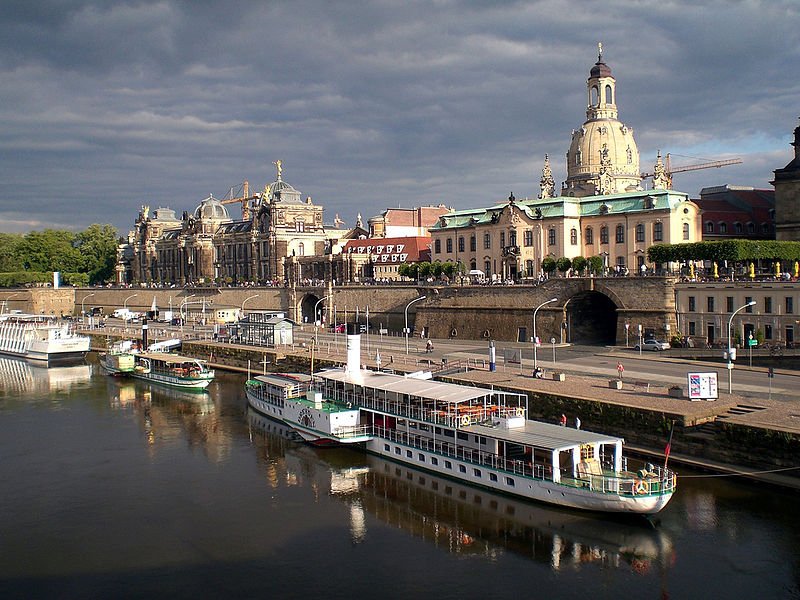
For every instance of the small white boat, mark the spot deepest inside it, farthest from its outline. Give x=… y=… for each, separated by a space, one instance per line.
x=478 y=436
x=172 y=370
x=41 y=339
x=120 y=360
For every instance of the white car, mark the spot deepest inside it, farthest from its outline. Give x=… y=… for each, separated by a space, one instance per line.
x=654 y=345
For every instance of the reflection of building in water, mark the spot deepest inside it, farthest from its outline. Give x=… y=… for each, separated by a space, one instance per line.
x=17 y=375
x=457 y=518
x=168 y=416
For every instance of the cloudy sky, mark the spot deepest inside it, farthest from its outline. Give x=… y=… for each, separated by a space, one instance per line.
x=109 y=105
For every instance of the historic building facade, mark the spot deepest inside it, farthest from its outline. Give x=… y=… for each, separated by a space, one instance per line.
x=603 y=210
x=787 y=196
x=208 y=246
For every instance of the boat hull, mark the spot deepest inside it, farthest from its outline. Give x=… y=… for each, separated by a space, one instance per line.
x=188 y=384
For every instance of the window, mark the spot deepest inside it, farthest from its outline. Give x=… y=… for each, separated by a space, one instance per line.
x=461 y=243
x=604 y=235
x=528 y=237
x=448 y=464
x=589 y=235
x=477 y=472
x=751 y=228
x=473 y=243
x=409 y=454
x=299 y=226
x=620 y=235
x=748 y=300
x=723 y=228
x=386 y=448
x=768 y=331
x=487 y=268
x=789 y=305
x=502 y=239
x=573 y=236
x=510 y=481
x=434 y=460
x=528 y=268
x=512 y=237
x=692 y=306
x=621 y=262
x=729 y=304
x=710 y=304
x=492 y=476
x=421 y=457
x=686 y=231
x=692 y=328
x=551 y=236
x=737 y=227
x=487 y=241
x=768 y=304
x=658 y=231
x=397 y=450
x=437 y=246
x=449 y=244
x=640 y=232
x=462 y=469
x=709 y=227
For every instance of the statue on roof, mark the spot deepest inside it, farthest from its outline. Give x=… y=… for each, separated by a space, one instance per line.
x=547 y=184
x=278 y=165
x=599 y=51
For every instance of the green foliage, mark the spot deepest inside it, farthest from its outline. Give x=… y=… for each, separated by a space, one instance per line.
x=9 y=252
x=730 y=250
x=23 y=278
x=548 y=264
x=563 y=264
x=579 y=264
x=98 y=246
x=596 y=264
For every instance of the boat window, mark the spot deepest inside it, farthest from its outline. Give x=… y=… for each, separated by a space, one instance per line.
x=449 y=433
x=477 y=472
x=448 y=464
x=493 y=477
x=462 y=468
x=421 y=457
x=386 y=447
x=463 y=436
x=510 y=481
x=434 y=460
x=397 y=450
x=409 y=454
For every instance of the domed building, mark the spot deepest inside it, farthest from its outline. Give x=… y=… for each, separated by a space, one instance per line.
x=603 y=157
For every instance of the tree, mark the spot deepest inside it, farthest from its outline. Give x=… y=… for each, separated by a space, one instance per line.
x=51 y=250
x=10 y=259
x=563 y=264
x=98 y=246
x=548 y=264
x=579 y=264
x=596 y=264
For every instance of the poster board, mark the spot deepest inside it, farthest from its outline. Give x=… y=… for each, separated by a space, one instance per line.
x=703 y=386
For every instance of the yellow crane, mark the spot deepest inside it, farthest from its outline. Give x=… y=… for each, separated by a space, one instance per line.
x=669 y=170
x=244 y=199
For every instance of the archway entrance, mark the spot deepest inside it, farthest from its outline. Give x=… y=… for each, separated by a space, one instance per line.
x=307 y=308
x=591 y=319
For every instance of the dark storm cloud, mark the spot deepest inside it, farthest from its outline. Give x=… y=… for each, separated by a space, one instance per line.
x=107 y=106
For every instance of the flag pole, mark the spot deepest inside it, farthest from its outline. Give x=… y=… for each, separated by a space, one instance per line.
x=669 y=445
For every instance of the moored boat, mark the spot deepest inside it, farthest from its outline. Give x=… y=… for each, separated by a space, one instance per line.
x=120 y=359
x=479 y=436
x=172 y=370
x=41 y=339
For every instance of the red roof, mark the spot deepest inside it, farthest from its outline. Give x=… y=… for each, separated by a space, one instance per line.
x=400 y=250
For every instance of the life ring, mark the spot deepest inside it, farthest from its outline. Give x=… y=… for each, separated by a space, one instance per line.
x=520 y=412
x=486 y=333
x=465 y=420
x=641 y=487
x=453 y=332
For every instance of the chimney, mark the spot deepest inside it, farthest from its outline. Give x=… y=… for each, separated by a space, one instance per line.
x=353 y=368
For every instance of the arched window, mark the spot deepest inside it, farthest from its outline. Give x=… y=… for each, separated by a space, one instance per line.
x=301 y=249
x=723 y=227
x=751 y=227
x=737 y=227
x=765 y=228
x=640 y=232
x=573 y=236
x=658 y=231
x=709 y=227
x=589 y=236
x=620 y=234
x=685 y=231
x=604 y=234
x=594 y=100
x=609 y=95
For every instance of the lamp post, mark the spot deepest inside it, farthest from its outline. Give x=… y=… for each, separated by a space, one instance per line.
x=180 y=309
x=82 y=307
x=245 y=300
x=536 y=310
x=405 y=313
x=730 y=362
x=125 y=305
x=5 y=302
x=317 y=321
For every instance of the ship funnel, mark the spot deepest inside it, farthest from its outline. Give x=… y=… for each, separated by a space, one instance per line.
x=353 y=368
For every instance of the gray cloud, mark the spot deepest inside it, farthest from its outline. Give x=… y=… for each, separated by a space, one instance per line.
x=107 y=106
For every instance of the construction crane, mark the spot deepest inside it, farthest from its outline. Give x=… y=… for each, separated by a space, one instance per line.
x=669 y=170
x=245 y=199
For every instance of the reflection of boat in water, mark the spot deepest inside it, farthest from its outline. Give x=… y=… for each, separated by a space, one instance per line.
x=19 y=375
x=41 y=339
x=125 y=391
x=458 y=517
x=481 y=436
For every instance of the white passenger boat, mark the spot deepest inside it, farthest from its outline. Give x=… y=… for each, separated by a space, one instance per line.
x=41 y=339
x=478 y=436
x=120 y=360
x=172 y=370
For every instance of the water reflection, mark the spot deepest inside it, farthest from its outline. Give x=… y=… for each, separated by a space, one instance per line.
x=457 y=518
x=18 y=375
x=169 y=416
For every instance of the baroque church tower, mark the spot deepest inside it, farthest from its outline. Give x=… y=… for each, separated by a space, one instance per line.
x=602 y=157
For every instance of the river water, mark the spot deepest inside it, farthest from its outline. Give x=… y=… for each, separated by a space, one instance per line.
x=114 y=488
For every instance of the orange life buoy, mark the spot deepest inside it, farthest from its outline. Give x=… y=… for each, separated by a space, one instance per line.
x=641 y=487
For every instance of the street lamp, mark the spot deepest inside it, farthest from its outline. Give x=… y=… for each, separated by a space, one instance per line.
x=316 y=321
x=180 y=309
x=245 y=300
x=5 y=302
x=534 y=327
x=730 y=362
x=125 y=305
x=82 y=301
x=405 y=312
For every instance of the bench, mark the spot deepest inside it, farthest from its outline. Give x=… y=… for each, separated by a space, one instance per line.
x=641 y=384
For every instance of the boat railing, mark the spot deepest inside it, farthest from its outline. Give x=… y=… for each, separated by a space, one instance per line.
x=653 y=482
x=353 y=431
x=463 y=416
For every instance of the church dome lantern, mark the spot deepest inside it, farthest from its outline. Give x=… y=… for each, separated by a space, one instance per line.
x=211 y=209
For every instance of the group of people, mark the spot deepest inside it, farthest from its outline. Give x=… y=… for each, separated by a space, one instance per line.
x=563 y=421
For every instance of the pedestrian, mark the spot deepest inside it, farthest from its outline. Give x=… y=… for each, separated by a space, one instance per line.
x=577 y=422
x=620 y=370
x=563 y=420
x=429 y=346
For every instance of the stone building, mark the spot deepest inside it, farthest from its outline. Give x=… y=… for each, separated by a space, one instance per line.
x=603 y=210
x=406 y=222
x=787 y=196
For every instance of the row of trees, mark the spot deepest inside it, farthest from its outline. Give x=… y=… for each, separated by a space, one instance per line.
x=86 y=257
x=437 y=269
x=726 y=250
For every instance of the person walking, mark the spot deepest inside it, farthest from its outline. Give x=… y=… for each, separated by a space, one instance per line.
x=620 y=370
x=563 y=420
x=429 y=346
x=577 y=422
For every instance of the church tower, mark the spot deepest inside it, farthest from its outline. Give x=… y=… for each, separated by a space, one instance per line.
x=602 y=157
x=787 y=196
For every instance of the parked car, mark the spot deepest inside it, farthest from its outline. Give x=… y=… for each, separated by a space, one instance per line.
x=654 y=345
